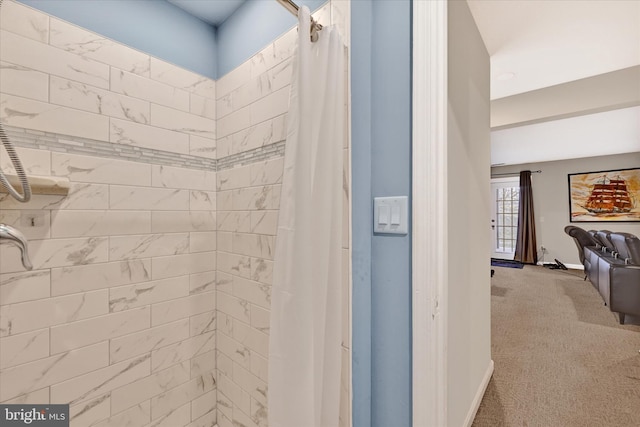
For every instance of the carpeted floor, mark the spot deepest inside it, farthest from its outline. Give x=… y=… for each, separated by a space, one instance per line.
x=561 y=357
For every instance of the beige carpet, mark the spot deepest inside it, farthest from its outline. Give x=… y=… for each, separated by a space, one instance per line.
x=561 y=357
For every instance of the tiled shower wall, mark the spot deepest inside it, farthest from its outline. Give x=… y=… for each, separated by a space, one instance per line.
x=118 y=316
x=252 y=113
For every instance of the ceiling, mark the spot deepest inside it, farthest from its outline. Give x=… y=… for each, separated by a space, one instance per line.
x=215 y=12
x=535 y=43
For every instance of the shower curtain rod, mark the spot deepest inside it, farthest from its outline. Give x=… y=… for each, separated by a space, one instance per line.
x=293 y=8
x=511 y=173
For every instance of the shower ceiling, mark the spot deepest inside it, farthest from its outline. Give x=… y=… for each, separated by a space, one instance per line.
x=215 y=12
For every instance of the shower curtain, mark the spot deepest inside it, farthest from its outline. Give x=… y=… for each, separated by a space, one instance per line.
x=305 y=329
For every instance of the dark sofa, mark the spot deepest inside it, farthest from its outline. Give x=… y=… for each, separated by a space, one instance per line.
x=612 y=264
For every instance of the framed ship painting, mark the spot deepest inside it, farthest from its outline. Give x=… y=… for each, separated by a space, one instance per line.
x=605 y=196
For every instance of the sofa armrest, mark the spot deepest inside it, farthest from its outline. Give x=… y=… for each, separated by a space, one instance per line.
x=625 y=288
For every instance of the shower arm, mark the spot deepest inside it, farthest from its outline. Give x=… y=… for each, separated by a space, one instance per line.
x=293 y=8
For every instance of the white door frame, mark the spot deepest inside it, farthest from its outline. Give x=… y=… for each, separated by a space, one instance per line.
x=429 y=194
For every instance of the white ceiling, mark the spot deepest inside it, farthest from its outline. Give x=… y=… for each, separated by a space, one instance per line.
x=214 y=12
x=548 y=42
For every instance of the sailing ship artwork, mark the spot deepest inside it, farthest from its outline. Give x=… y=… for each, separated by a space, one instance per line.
x=612 y=195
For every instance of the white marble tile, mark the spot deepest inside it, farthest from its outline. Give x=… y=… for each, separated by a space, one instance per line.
x=177 y=417
x=267 y=172
x=36 y=397
x=234 y=221
x=34 y=162
x=145 y=341
x=38 y=229
x=182 y=351
x=205 y=107
x=234 y=122
x=32 y=315
x=178 y=121
x=251 y=338
x=141 y=294
x=32 y=376
x=224 y=405
x=202 y=282
x=209 y=419
x=260 y=367
x=144 y=198
x=250 y=383
x=259 y=135
x=190 y=179
x=132 y=417
x=89 y=412
x=237 y=265
x=69 y=280
x=23 y=348
x=203 y=404
x=150 y=90
x=132 y=394
x=202 y=323
x=270 y=106
x=182 y=221
x=224 y=200
x=24 y=286
x=139 y=135
x=224 y=366
x=20 y=50
x=256 y=198
x=224 y=325
x=101 y=381
x=280 y=75
x=285 y=45
x=234 y=307
x=254 y=292
x=233 y=80
x=178 y=396
x=84 y=332
x=147 y=245
x=24 y=82
x=260 y=319
x=223 y=146
x=81 y=196
x=203 y=241
x=95 y=100
x=182 y=308
x=256 y=245
x=202 y=147
x=183 y=79
x=203 y=363
x=264 y=222
x=229 y=179
x=27 y=113
x=180 y=265
x=91 y=45
x=224 y=105
x=233 y=349
x=261 y=270
x=26 y=21
x=100 y=170
x=99 y=223
x=202 y=200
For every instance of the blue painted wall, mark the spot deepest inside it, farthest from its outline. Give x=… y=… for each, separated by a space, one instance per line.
x=155 y=27
x=381 y=105
x=251 y=28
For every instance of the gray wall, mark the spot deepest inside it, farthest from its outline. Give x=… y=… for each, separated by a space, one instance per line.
x=551 y=201
x=469 y=305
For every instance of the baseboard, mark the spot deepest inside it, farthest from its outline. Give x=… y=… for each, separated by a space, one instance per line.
x=476 y=400
x=571 y=266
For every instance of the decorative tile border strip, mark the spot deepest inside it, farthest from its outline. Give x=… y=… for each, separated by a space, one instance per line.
x=265 y=152
x=28 y=138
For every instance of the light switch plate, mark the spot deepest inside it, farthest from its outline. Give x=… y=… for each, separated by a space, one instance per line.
x=383 y=223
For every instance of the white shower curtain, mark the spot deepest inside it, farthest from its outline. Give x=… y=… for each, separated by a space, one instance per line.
x=305 y=329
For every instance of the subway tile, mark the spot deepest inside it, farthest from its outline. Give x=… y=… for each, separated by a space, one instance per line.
x=27 y=113
x=81 y=196
x=234 y=122
x=202 y=147
x=179 y=77
x=134 y=416
x=138 y=343
x=178 y=121
x=101 y=381
x=260 y=366
x=185 y=350
x=250 y=383
x=202 y=282
x=270 y=106
x=184 y=393
x=203 y=363
x=182 y=308
x=264 y=222
x=93 y=46
x=42 y=57
x=209 y=419
x=256 y=198
x=43 y=313
x=202 y=323
x=144 y=198
x=205 y=107
x=83 y=278
x=224 y=324
x=202 y=241
x=32 y=376
x=202 y=200
x=140 y=135
x=26 y=21
x=237 y=265
x=223 y=146
x=182 y=221
x=180 y=265
x=234 y=349
x=99 y=223
x=233 y=80
x=100 y=170
x=34 y=162
x=262 y=270
x=251 y=338
x=260 y=319
x=150 y=90
x=234 y=307
x=225 y=241
x=20 y=219
x=259 y=135
x=139 y=391
x=177 y=417
x=147 y=245
x=253 y=292
x=256 y=245
x=267 y=172
x=190 y=179
x=203 y=404
x=99 y=101
x=24 y=286
x=258 y=413
x=23 y=348
x=130 y=296
x=235 y=221
x=238 y=397
x=224 y=366
x=224 y=200
x=36 y=397
x=24 y=82
x=84 y=332
x=89 y=412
